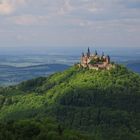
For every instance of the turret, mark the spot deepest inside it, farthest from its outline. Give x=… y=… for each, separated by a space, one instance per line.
x=108 y=59
x=102 y=57
x=83 y=55
x=102 y=54
x=88 y=53
x=95 y=53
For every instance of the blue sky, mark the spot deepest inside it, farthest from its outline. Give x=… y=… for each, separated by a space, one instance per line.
x=40 y=24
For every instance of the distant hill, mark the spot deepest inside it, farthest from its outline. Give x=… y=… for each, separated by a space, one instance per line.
x=135 y=66
x=77 y=104
x=10 y=75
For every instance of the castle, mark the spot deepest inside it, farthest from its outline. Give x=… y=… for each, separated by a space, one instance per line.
x=95 y=61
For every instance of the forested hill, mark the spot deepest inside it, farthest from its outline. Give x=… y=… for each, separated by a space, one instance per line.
x=77 y=104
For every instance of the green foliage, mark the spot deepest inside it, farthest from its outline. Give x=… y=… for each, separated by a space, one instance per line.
x=101 y=105
x=31 y=85
x=36 y=129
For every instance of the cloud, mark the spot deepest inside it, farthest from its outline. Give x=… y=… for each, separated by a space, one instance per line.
x=6 y=8
x=72 y=20
x=9 y=6
x=28 y=20
x=65 y=8
x=132 y=4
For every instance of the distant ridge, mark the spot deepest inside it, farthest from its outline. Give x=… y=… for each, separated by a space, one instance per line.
x=10 y=75
x=135 y=66
x=57 y=64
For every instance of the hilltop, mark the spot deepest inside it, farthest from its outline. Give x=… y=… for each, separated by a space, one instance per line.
x=100 y=105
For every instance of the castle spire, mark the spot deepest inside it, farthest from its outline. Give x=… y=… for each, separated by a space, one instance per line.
x=102 y=53
x=88 y=53
x=108 y=59
x=83 y=54
x=96 y=53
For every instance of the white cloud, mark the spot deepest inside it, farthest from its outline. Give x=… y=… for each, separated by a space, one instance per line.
x=95 y=7
x=28 y=20
x=65 y=8
x=9 y=6
x=6 y=8
x=67 y=18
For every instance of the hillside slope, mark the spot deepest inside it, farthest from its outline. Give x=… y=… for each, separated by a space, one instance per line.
x=103 y=104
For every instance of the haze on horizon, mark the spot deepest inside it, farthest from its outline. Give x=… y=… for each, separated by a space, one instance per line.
x=47 y=23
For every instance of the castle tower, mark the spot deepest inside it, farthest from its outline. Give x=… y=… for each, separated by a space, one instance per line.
x=102 y=57
x=102 y=54
x=95 y=53
x=83 y=55
x=108 y=59
x=88 y=53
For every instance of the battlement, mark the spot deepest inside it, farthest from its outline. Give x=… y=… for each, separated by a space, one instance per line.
x=95 y=61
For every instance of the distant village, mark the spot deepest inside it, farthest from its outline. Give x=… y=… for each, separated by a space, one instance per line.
x=95 y=61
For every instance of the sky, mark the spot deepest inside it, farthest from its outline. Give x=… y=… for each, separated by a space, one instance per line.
x=40 y=24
